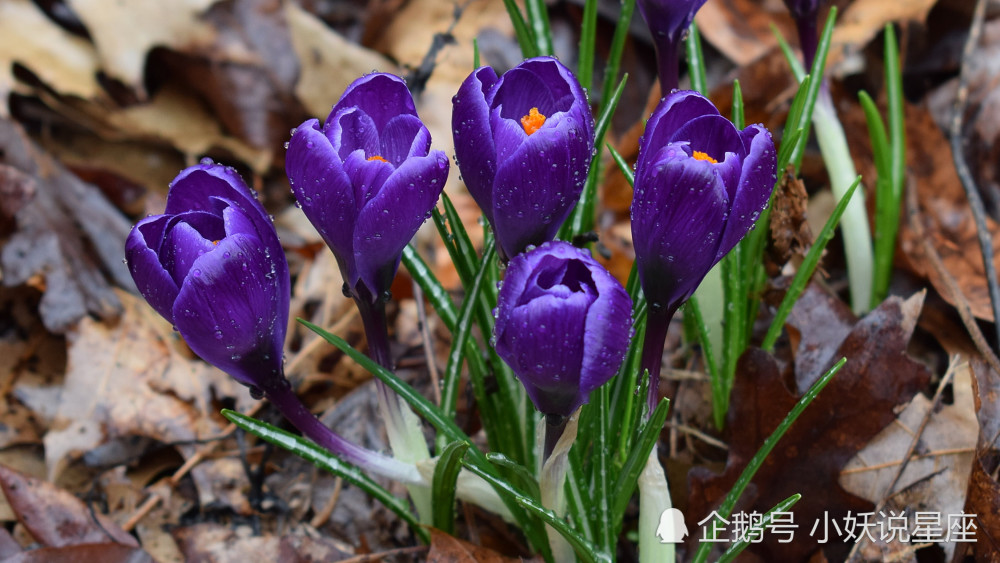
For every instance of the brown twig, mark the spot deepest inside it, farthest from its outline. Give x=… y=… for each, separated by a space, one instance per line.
x=155 y=498
x=321 y=517
x=962 y=167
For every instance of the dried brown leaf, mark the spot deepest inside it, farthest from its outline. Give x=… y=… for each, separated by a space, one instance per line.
x=854 y=407
x=54 y=516
x=50 y=241
x=85 y=553
x=449 y=549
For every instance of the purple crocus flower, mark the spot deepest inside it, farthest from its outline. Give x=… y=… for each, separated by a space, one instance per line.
x=563 y=325
x=367 y=179
x=700 y=185
x=668 y=21
x=212 y=265
x=523 y=143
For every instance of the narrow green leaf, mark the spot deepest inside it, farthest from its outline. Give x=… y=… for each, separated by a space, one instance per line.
x=623 y=166
x=453 y=370
x=581 y=219
x=475 y=53
x=726 y=508
x=516 y=474
x=538 y=20
x=588 y=38
x=323 y=459
x=446 y=471
x=696 y=61
x=629 y=475
x=806 y=270
x=889 y=190
x=758 y=529
x=584 y=550
x=798 y=71
x=525 y=37
x=714 y=375
x=738 y=119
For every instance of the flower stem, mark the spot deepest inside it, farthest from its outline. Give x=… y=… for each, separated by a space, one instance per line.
x=854 y=223
x=406 y=438
x=667 y=60
x=281 y=395
x=559 y=434
x=657 y=322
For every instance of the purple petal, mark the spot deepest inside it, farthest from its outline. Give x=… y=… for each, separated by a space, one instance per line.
x=474 y=148
x=323 y=189
x=670 y=115
x=534 y=191
x=544 y=344
x=519 y=90
x=678 y=214
x=151 y=278
x=367 y=176
x=380 y=95
x=754 y=192
x=402 y=137
x=562 y=85
x=200 y=187
x=713 y=135
x=353 y=130
x=608 y=331
x=508 y=136
x=184 y=244
x=388 y=222
x=234 y=312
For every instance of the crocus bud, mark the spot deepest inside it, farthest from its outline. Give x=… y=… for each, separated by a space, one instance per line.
x=524 y=143
x=212 y=265
x=563 y=325
x=700 y=185
x=668 y=20
x=367 y=179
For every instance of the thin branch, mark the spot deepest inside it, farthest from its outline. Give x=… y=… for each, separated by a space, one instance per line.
x=962 y=167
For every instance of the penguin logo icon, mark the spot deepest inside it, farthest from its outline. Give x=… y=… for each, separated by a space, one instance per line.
x=672 y=528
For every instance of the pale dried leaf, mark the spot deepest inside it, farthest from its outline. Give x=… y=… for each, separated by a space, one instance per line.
x=64 y=62
x=124 y=32
x=329 y=63
x=936 y=478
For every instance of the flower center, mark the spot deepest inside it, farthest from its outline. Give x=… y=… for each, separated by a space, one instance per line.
x=704 y=156
x=533 y=121
x=215 y=242
x=377 y=157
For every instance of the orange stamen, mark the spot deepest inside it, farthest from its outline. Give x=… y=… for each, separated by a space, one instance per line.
x=533 y=121
x=215 y=242
x=377 y=157
x=704 y=156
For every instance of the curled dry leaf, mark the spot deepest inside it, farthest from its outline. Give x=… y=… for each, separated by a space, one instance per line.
x=449 y=549
x=56 y=518
x=855 y=406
